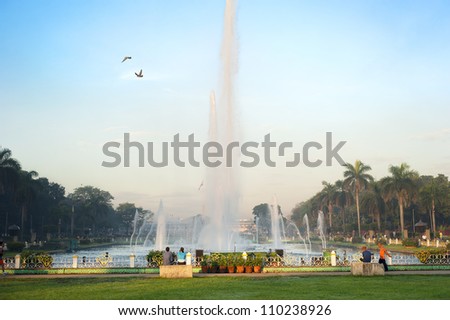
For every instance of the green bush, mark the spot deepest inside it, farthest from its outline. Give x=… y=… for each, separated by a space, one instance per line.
x=357 y=239
x=410 y=242
x=15 y=246
x=155 y=257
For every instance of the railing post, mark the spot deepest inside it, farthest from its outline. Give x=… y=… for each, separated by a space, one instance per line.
x=188 y=258
x=333 y=258
x=132 y=257
x=17 y=261
x=75 y=261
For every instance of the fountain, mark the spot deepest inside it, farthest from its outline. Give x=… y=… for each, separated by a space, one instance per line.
x=161 y=232
x=221 y=183
x=321 y=229
x=308 y=238
x=275 y=223
x=135 y=220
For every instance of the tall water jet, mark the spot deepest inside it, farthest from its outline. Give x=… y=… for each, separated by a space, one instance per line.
x=135 y=220
x=221 y=182
x=321 y=228
x=308 y=238
x=161 y=232
x=275 y=224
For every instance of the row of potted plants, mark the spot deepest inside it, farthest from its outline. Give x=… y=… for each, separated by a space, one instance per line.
x=231 y=263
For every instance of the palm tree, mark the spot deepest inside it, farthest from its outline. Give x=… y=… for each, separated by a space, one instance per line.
x=401 y=185
x=433 y=192
x=25 y=194
x=9 y=170
x=373 y=202
x=327 y=198
x=342 y=199
x=357 y=178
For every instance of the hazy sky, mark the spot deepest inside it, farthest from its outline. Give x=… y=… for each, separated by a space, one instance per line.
x=374 y=73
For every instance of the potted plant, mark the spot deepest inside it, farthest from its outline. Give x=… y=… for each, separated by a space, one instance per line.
x=231 y=263
x=223 y=263
x=248 y=264
x=204 y=264
x=240 y=265
x=257 y=264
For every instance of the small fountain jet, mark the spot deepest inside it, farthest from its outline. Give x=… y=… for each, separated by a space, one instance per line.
x=125 y=59
x=139 y=75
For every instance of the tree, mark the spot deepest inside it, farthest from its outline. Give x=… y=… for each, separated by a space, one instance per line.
x=357 y=178
x=342 y=199
x=94 y=205
x=25 y=195
x=372 y=201
x=401 y=185
x=434 y=192
x=262 y=219
x=9 y=171
x=327 y=197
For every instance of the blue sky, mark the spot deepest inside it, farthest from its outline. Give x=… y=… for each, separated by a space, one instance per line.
x=375 y=73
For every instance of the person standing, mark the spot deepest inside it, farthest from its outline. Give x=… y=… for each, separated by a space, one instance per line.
x=167 y=257
x=383 y=254
x=1 y=258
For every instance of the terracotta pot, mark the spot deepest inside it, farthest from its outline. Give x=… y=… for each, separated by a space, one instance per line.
x=204 y=269
x=240 y=269
x=223 y=269
x=257 y=269
x=230 y=269
x=248 y=269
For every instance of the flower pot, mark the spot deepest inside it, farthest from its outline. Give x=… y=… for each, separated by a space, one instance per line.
x=223 y=269
x=230 y=269
x=204 y=269
x=240 y=269
x=257 y=269
x=248 y=269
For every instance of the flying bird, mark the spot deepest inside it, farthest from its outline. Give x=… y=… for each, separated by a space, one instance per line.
x=125 y=59
x=201 y=185
x=139 y=75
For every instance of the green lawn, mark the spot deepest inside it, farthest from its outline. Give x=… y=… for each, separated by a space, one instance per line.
x=399 y=287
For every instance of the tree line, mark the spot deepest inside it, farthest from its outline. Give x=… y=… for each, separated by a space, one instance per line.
x=395 y=202
x=32 y=207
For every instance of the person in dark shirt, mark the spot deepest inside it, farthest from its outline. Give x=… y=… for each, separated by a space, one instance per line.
x=366 y=255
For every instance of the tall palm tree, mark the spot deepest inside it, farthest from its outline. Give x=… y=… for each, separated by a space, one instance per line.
x=342 y=199
x=357 y=178
x=401 y=185
x=25 y=194
x=434 y=191
x=327 y=198
x=9 y=170
x=373 y=202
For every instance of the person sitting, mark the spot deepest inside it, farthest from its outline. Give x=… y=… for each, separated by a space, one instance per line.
x=167 y=257
x=366 y=255
x=181 y=256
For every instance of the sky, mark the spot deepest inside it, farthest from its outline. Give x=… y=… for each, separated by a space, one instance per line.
x=375 y=74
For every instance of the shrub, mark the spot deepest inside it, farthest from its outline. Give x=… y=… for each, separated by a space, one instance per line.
x=155 y=258
x=36 y=259
x=357 y=239
x=410 y=242
x=15 y=246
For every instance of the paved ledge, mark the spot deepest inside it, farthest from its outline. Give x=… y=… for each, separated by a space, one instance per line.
x=175 y=271
x=367 y=269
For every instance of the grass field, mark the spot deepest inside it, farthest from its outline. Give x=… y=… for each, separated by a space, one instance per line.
x=400 y=287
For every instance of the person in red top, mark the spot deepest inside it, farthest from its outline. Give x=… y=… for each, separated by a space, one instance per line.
x=383 y=254
x=1 y=258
